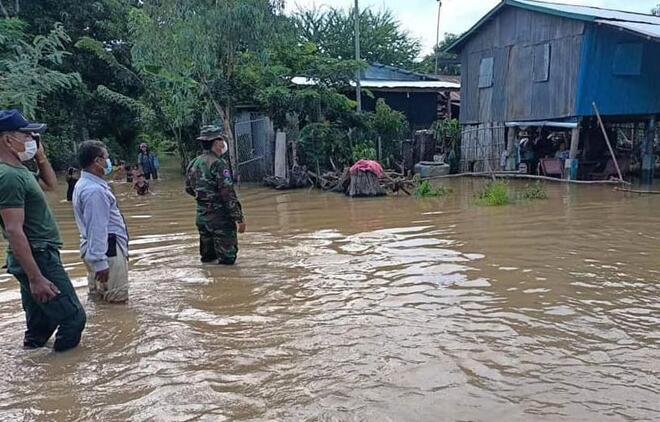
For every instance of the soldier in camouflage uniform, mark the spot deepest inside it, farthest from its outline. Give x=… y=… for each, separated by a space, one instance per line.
x=219 y=213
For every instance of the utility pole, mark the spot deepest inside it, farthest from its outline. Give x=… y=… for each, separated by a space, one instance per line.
x=358 y=87
x=437 y=39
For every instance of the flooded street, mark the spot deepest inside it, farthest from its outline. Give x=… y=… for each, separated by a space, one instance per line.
x=392 y=309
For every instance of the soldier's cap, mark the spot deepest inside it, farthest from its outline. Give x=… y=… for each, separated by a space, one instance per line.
x=13 y=120
x=211 y=133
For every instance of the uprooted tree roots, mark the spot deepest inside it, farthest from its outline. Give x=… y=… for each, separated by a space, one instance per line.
x=362 y=184
x=298 y=178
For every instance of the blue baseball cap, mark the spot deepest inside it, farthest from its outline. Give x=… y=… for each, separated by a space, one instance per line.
x=13 y=120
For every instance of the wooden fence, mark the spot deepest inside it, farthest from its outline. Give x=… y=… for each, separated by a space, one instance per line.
x=481 y=147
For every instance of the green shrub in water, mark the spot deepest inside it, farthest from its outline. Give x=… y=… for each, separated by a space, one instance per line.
x=535 y=191
x=494 y=194
x=426 y=190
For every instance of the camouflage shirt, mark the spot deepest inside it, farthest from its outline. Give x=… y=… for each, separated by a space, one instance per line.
x=209 y=180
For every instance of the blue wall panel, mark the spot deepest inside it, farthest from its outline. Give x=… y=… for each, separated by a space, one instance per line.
x=601 y=80
x=420 y=108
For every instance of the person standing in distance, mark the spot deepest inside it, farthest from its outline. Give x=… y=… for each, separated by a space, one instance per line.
x=219 y=212
x=49 y=299
x=148 y=162
x=103 y=232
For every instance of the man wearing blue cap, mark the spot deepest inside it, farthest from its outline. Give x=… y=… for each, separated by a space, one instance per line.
x=49 y=299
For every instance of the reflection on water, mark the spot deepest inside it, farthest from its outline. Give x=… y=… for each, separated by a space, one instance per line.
x=388 y=309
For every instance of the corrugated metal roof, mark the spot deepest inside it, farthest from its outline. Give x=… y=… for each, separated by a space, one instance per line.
x=410 y=84
x=382 y=84
x=646 y=29
x=589 y=12
x=638 y=23
x=392 y=73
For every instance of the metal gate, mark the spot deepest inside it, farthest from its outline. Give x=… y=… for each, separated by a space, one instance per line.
x=254 y=138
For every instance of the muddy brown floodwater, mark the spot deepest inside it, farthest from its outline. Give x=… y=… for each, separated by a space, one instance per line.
x=393 y=309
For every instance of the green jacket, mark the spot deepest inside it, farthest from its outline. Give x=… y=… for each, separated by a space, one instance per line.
x=209 y=180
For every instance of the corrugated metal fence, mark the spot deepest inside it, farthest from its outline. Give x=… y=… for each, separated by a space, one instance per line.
x=254 y=144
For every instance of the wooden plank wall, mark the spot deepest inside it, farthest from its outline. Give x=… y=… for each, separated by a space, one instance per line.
x=510 y=39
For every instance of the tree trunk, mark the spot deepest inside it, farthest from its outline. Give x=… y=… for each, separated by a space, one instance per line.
x=183 y=154
x=224 y=114
x=365 y=184
x=3 y=10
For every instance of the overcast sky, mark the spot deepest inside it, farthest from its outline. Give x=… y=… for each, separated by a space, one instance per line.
x=419 y=16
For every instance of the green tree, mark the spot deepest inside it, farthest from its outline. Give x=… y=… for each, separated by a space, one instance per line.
x=197 y=73
x=27 y=73
x=324 y=99
x=105 y=104
x=198 y=46
x=427 y=65
x=382 y=39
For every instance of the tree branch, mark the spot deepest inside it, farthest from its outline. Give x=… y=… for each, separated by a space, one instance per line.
x=3 y=10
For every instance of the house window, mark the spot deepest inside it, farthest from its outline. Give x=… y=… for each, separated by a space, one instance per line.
x=486 y=73
x=628 y=59
x=541 y=68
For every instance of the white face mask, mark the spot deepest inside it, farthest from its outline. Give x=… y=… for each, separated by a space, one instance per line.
x=225 y=147
x=30 y=150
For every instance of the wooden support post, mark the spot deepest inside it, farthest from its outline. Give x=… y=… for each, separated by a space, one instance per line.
x=449 y=115
x=280 y=155
x=607 y=139
x=571 y=165
x=575 y=143
x=648 y=159
x=380 y=149
x=512 y=159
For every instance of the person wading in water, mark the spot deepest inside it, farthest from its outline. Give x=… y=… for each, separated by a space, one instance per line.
x=148 y=162
x=49 y=300
x=103 y=232
x=219 y=212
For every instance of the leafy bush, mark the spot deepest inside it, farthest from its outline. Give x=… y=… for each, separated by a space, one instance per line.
x=333 y=139
x=494 y=194
x=448 y=133
x=61 y=152
x=320 y=142
x=158 y=143
x=117 y=151
x=363 y=152
x=390 y=126
x=533 y=192
x=425 y=190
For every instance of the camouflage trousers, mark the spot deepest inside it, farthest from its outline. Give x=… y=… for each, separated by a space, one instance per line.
x=218 y=239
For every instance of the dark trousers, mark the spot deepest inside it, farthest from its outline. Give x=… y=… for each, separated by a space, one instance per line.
x=63 y=313
x=218 y=242
x=153 y=174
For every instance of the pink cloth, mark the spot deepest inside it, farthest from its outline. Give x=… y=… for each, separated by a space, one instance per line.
x=368 y=166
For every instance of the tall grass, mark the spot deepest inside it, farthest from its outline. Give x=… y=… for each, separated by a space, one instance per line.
x=533 y=192
x=494 y=194
x=425 y=190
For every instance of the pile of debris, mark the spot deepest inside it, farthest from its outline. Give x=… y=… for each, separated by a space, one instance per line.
x=297 y=178
x=364 y=179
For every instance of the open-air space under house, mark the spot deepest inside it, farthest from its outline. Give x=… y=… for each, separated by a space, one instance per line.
x=533 y=76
